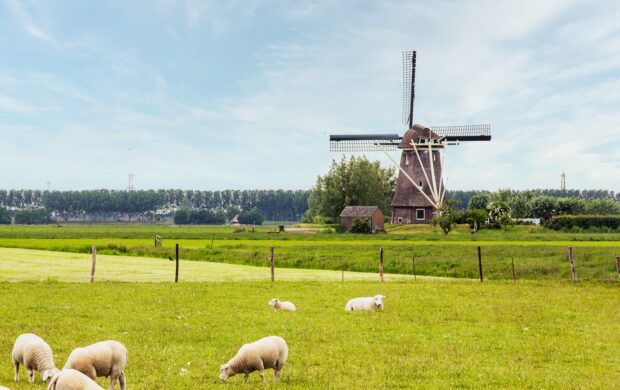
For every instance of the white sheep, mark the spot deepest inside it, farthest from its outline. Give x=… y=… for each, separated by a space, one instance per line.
x=70 y=379
x=105 y=358
x=4 y=388
x=365 y=304
x=281 y=306
x=35 y=354
x=268 y=352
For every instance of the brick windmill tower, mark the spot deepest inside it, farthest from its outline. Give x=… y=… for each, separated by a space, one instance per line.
x=420 y=187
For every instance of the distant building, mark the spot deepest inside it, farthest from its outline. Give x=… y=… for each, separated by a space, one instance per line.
x=234 y=220
x=372 y=213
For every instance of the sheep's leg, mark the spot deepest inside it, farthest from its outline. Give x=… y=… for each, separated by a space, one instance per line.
x=245 y=377
x=121 y=379
x=277 y=374
x=262 y=375
x=112 y=383
x=16 y=369
x=30 y=375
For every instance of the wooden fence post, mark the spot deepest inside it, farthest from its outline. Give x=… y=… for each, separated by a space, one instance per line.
x=571 y=258
x=413 y=263
x=381 y=264
x=176 y=272
x=480 y=264
x=514 y=276
x=92 y=267
x=618 y=265
x=271 y=264
x=342 y=270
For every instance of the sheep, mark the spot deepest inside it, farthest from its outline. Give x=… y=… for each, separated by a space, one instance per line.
x=268 y=352
x=35 y=354
x=281 y=306
x=366 y=303
x=105 y=358
x=4 y=388
x=70 y=379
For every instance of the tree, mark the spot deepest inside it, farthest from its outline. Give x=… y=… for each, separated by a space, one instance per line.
x=252 y=217
x=5 y=216
x=499 y=214
x=544 y=207
x=352 y=182
x=445 y=217
x=477 y=217
x=479 y=201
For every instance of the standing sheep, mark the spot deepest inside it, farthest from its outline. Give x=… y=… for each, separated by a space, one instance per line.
x=69 y=379
x=281 y=306
x=268 y=352
x=35 y=354
x=105 y=358
x=365 y=304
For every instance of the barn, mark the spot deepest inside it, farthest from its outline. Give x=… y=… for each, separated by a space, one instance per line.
x=372 y=213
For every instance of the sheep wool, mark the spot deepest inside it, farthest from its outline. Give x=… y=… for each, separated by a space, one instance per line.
x=277 y=305
x=105 y=358
x=365 y=304
x=268 y=352
x=4 y=388
x=35 y=354
x=69 y=379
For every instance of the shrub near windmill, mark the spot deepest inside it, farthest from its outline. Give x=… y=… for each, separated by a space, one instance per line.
x=420 y=187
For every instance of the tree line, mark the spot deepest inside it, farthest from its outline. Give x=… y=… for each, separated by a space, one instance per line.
x=280 y=205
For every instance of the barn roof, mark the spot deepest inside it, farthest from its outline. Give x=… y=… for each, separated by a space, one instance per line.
x=358 y=211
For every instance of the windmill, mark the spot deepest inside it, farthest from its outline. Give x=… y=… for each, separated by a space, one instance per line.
x=420 y=186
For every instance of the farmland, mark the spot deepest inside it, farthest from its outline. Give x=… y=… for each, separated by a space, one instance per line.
x=459 y=334
x=541 y=331
x=537 y=253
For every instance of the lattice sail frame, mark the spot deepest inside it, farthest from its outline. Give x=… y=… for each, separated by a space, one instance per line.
x=409 y=64
x=380 y=142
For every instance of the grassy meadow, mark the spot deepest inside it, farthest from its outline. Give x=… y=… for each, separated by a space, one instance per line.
x=537 y=253
x=430 y=335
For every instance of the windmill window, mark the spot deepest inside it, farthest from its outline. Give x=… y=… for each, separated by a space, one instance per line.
x=420 y=183
x=400 y=219
x=419 y=214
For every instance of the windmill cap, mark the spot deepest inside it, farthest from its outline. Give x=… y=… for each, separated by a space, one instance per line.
x=415 y=133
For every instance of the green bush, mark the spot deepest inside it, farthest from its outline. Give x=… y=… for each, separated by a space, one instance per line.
x=571 y=222
x=360 y=225
x=252 y=217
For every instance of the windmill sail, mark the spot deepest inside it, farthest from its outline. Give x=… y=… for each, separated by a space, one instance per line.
x=363 y=142
x=409 y=59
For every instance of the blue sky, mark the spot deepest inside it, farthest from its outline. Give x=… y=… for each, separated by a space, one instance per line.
x=243 y=94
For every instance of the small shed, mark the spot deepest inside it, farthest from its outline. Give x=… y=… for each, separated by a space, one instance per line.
x=234 y=220
x=372 y=213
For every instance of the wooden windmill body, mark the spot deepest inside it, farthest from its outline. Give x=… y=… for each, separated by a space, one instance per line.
x=420 y=186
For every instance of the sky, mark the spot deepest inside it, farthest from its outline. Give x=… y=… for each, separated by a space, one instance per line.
x=215 y=95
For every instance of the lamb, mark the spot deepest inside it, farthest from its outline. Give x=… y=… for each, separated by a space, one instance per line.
x=366 y=303
x=281 y=306
x=70 y=379
x=105 y=358
x=268 y=352
x=35 y=354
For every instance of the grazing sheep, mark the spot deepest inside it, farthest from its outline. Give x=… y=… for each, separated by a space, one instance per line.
x=4 y=388
x=105 y=358
x=365 y=304
x=268 y=352
x=35 y=354
x=281 y=306
x=70 y=379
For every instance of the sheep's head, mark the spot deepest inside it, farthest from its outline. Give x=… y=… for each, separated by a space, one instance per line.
x=225 y=372
x=378 y=301
x=48 y=374
x=274 y=302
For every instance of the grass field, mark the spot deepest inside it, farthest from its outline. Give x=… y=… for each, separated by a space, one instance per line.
x=430 y=335
x=537 y=253
x=433 y=333
x=19 y=265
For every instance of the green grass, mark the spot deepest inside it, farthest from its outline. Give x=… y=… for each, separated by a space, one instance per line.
x=18 y=265
x=430 y=335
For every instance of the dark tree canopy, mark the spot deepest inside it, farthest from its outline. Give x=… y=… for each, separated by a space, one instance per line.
x=352 y=182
